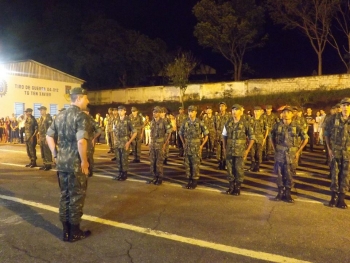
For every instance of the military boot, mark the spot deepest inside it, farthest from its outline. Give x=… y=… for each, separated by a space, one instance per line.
x=220 y=165
x=341 y=202
x=237 y=190
x=231 y=188
x=224 y=165
x=252 y=166
x=77 y=234
x=165 y=161
x=33 y=164
x=48 y=167
x=123 y=177
x=42 y=167
x=189 y=184
x=193 y=184
x=29 y=164
x=279 y=196
x=334 y=199
x=117 y=177
x=288 y=196
x=256 y=167
x=152 y=181
x=159 y=181
x=66 y=229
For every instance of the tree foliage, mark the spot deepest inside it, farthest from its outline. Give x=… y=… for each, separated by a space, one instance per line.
x=179 y=71
x=230 y=28
x=311 y=17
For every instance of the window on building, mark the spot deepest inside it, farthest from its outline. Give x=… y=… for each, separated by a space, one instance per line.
x=53 y=109
x=19 y=108
x=36 y=112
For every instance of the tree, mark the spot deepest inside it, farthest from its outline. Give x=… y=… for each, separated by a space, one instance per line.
x=342 y=19
x=179 y=71
x=312 y=17
x=230 y=28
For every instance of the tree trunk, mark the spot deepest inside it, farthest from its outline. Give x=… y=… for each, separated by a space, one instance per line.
x=319 y=55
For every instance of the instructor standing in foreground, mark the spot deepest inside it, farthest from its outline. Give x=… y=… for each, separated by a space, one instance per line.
x=70 y=132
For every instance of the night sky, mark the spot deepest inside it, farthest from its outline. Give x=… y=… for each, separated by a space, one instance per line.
x=287 y=53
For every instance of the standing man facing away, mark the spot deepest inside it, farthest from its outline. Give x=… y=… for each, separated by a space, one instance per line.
x=337 y=136
x=30 y=130
x=44 y=124
x=69 y=131
x=179 y=120
x=221 y=119
x=137 y=123
x=288 y=139
x=271 y=119
x=190 y=134
x=235 y=133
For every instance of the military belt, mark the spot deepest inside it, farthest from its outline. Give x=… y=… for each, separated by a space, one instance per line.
x=236 y=141
x=285 y=148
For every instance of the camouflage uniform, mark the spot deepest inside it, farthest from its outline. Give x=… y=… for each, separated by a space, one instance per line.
x=30 y=130
x=160 y=131
x=286 y=139
x=268 y=148
x=210 y=122
x=94 y=128
x=137 y=123
x=220 y=123
x=67 y=129
x=44 y=124
x=337 y=133
x=237 y=135
x=122 y=131
x=166 y=152
x=109 y=131
x=179 y=120
x=259 y=128
x=192 y=134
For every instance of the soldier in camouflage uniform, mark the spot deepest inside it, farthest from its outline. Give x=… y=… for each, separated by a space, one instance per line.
x=122 y=128
x=94 y=131
x=300 y=120
x=337 y=135
x=109 y=129
x=270 y=119
x=235 y=133
x=209 y=122
x=190 y=133
x=260 y=129
x=69 y=131
x=166 y=151
x=221 y=119
x=137 y=123
x=288 y=147
x=160 y=135
x=30 y=130
x=179 y=120
x=43 y=125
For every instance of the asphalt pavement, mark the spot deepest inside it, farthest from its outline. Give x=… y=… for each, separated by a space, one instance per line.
x=132 y=221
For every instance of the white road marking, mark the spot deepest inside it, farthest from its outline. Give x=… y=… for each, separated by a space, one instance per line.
x=156 y=233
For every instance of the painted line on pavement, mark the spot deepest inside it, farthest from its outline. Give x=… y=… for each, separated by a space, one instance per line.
x=160 y=234
x=169 y=184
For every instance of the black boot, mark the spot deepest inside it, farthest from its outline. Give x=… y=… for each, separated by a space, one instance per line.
x=77 y=234
x=252 y=166
x=29 y=164
x=123 y=177
x=341 y=202
x=193 y=184
x=288 y=196
x=237 y=190
x=223 y=165
x=189 y=184
x=66 y=230
x=33 y=164
x=42 y=167
x=256 y=167
x=279 y=196
x=114 y=158
x=117 y=177
x=47 y=167
x=159 y=181
x=220 y=165
x=334 y=199
x=152 y=181
x=165 y=161
x=231 y=188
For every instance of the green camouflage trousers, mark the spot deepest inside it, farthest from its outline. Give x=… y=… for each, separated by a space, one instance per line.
x=235 y=171
x=31 y=151
x=192 y=163
x=45 y=152
x=285 y=167
x=136 y=146
x=219 y=152
x=156 y=157
x=121 y=156
x=73 y=191
x=256 y=153
x=340 y=175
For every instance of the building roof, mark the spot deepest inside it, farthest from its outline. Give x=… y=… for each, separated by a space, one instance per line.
x=34 y=69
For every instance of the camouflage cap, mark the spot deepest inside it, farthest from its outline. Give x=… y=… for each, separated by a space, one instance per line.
x=133 y=109
x=337 y=105
x=209 y=107
x=181 y=108
x=237 y=106
x=192 y=108
x=77 y=90
x=28 y=110
x=62 y=109
x=164 y=110
x=334 y=107
x=222 y=103
x=121 y=107
x=289 y=108
x=295 y=108
x=42 y=108
x=268 y=107
x=257 y=108
x=115 y=109
x=157 y=109
x=345 y=101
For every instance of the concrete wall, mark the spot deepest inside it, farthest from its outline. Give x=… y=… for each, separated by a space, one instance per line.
x=219 y=90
